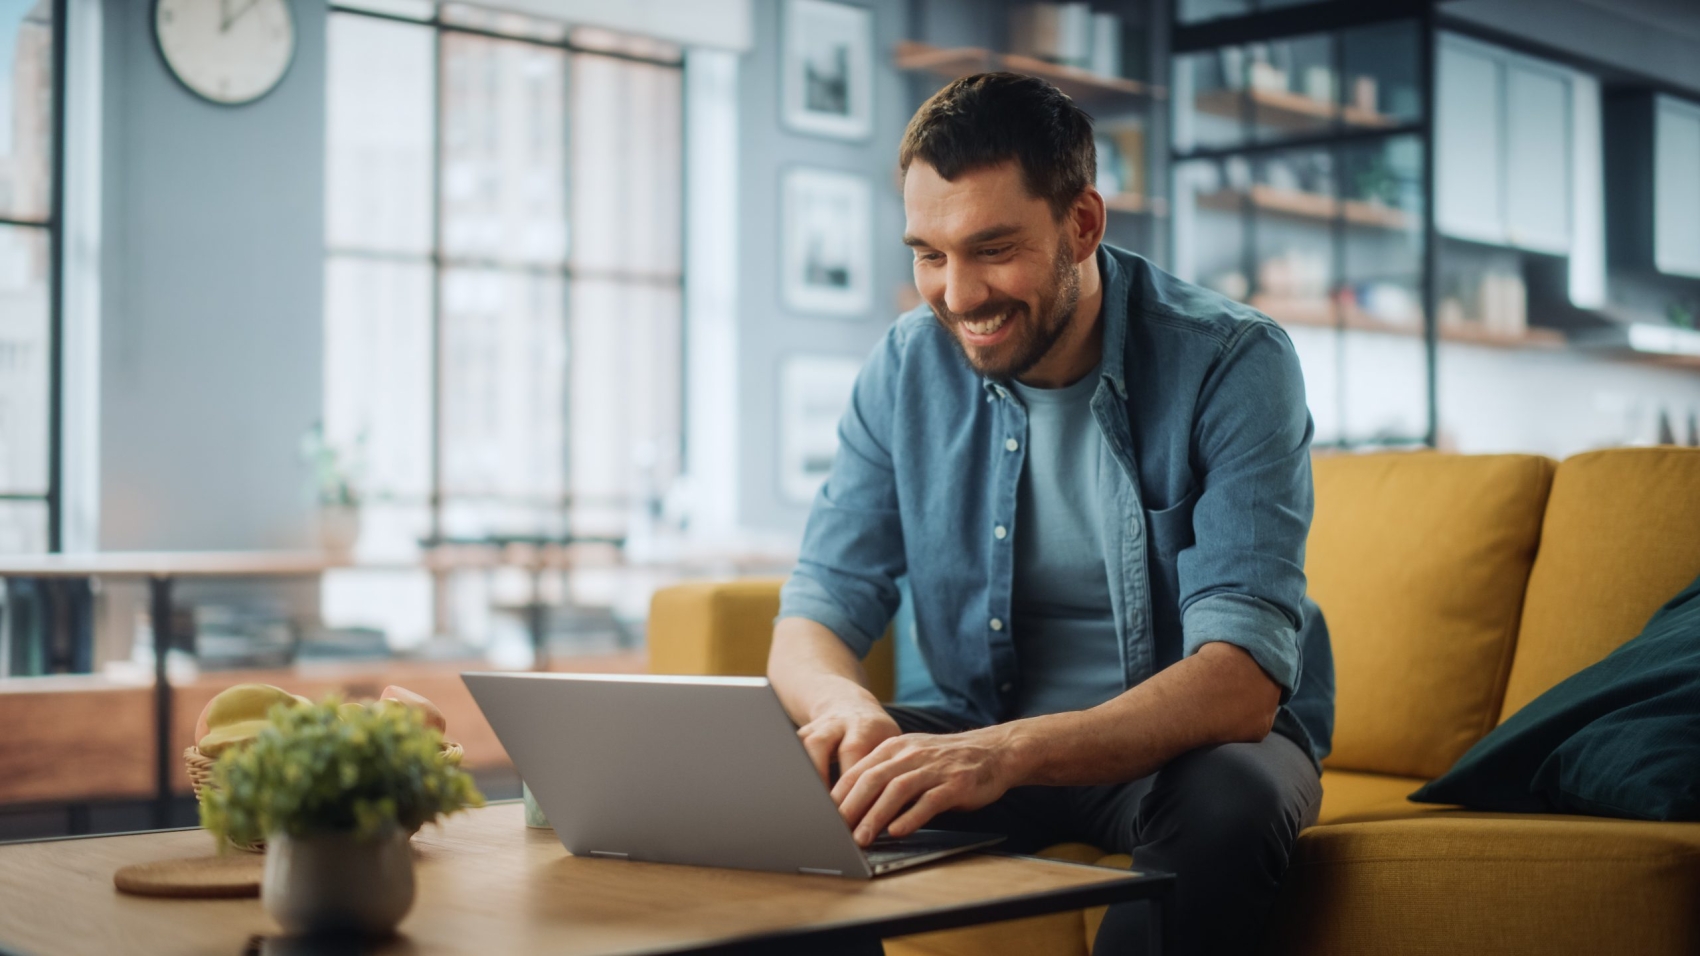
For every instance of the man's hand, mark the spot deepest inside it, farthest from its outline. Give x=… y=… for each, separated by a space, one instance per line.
x=848 y=734
x=928 y=774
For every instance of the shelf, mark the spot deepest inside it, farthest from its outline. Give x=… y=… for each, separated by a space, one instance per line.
x=1291 y=202
x=1474 y=333
x=1135 y=203
x=1320 y=313
x=1083 y=85
x=1287 y=110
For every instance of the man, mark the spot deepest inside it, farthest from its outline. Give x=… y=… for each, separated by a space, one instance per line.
x=1096 y=479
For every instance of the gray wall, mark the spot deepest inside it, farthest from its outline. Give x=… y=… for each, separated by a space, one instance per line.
x=767 y=332
x=212 y=284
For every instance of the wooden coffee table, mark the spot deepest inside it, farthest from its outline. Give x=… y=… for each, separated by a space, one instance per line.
x=486 y=884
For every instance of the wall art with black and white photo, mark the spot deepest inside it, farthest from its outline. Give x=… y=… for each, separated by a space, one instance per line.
x=814 y=390
x=828 y=242
x=828 y=64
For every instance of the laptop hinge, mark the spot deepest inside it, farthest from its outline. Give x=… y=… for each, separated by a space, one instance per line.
x=610 y=854
x=816 y=871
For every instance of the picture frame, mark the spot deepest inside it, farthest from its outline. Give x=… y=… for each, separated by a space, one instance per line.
x=827 y=66
x=827 y=235
x=814 y=391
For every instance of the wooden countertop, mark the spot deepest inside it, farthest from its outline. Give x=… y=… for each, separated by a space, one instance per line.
x=486 y=884
x=84 y=737
x=170 y=563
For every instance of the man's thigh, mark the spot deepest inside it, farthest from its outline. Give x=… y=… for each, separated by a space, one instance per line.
x=1270 y=786
x=1032 y=818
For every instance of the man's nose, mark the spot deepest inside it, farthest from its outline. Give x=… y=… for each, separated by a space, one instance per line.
x=964 y=291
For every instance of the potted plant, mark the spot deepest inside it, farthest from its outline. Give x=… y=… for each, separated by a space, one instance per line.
x=335 y=793
x=336 y=487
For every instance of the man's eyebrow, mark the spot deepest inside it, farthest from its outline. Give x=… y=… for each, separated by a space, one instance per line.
x=984 y=235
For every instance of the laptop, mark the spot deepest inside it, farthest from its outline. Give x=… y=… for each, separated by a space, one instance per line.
x=699 y=770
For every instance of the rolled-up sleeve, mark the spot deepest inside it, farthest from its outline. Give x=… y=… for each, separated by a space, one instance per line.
x=1242 y=581
x=852 y=552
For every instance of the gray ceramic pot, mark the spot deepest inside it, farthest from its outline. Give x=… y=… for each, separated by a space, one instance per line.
x=334 y=883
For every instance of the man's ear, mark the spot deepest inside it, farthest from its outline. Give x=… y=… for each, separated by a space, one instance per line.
x=1086 y=223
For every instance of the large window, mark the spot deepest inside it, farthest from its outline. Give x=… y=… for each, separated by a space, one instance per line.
x=503 y=227
x=26 y=272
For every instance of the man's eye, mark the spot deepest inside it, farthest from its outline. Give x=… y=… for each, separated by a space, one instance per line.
x=994 y=251
x=927 y=257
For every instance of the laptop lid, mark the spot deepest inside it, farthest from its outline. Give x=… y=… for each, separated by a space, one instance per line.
x=698 y=770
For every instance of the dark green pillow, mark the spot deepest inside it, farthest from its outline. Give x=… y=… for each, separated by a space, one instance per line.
x=1620 y=738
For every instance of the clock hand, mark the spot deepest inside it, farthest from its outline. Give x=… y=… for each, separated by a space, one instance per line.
x=228 y=21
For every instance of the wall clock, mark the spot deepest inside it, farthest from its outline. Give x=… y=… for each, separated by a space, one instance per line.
x=228 y=51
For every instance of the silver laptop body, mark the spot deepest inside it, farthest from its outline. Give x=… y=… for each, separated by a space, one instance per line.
x=698 y=770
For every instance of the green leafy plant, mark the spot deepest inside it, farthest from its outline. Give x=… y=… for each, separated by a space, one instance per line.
x=336 y=471
x=316 y=770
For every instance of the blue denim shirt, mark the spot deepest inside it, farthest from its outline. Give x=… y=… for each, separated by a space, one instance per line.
x=1203 y=407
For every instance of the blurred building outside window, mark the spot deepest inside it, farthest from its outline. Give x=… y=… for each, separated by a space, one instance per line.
x=503 y=298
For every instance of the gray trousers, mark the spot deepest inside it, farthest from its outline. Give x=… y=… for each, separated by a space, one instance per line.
x=1222 y=819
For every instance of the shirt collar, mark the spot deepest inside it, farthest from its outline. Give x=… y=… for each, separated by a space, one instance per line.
x=1113 y=312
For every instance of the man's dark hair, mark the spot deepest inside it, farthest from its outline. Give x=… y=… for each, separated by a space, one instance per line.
x=991 y=118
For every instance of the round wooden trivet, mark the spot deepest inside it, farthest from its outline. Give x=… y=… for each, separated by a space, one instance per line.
x=201 y=877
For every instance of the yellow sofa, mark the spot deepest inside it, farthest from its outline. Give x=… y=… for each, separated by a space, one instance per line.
x=1457 y=589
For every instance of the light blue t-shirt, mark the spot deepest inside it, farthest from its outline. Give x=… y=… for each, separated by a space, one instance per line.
x=1067 y=652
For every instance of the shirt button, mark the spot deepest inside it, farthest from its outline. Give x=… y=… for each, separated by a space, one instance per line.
x=1007 y=687
x=997 y=623
x=1010 y=444
x=1000 y=532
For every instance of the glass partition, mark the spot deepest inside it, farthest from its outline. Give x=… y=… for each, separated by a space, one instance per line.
x=1299 y=190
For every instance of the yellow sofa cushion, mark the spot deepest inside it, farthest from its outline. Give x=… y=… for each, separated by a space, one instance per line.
x=1419 y=562
x=1352 y=797
x=725 y=627
x=1621 y=537
x=1451 y=882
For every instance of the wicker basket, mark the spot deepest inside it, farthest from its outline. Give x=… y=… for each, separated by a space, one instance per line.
x=200 y=767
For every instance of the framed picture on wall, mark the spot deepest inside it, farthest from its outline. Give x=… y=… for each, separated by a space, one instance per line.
x=828 y=242
x=828 y=69
x=814 y=390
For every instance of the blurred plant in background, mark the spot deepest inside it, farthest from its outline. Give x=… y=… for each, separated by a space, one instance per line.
x=336 y=472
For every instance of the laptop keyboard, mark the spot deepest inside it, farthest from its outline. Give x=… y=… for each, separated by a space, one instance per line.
x=891 y=849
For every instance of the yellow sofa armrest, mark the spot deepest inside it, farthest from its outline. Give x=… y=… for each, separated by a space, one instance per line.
x=723 y=628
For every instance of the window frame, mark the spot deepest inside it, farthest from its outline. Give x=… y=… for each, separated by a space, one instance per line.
x=439 y=263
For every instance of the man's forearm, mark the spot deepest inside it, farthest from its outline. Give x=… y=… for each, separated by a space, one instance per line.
x=812 y=671
x=1218 y=695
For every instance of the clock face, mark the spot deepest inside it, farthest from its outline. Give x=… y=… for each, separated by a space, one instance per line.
x=229 y=51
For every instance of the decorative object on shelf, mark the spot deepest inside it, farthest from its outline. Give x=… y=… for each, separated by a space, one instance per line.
x=828 y=242
x=336 y=486
x=828 y=65
x=1106 y=59
x=1060 y=33
x=226 y=53
x=814 y=390
x=336 y=792
x=1319 y=83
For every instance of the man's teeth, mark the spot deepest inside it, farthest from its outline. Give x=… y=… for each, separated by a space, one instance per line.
x=988 y=326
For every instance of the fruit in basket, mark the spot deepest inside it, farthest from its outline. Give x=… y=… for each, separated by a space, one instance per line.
x=220 y=739
x=241 y=704
x=433 y=716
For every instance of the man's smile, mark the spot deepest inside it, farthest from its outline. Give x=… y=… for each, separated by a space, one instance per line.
x=989 y=331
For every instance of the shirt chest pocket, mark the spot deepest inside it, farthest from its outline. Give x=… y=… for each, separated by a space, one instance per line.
x=1170 y=528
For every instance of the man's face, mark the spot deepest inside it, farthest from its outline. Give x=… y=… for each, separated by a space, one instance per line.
x=995 y=265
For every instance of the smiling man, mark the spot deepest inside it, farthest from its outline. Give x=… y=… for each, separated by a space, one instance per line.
x=1096 y=479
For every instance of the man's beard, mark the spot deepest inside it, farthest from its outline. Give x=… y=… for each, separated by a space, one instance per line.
x=1029 y=341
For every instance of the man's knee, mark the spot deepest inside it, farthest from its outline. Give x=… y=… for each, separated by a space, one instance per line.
x=1226 y=801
